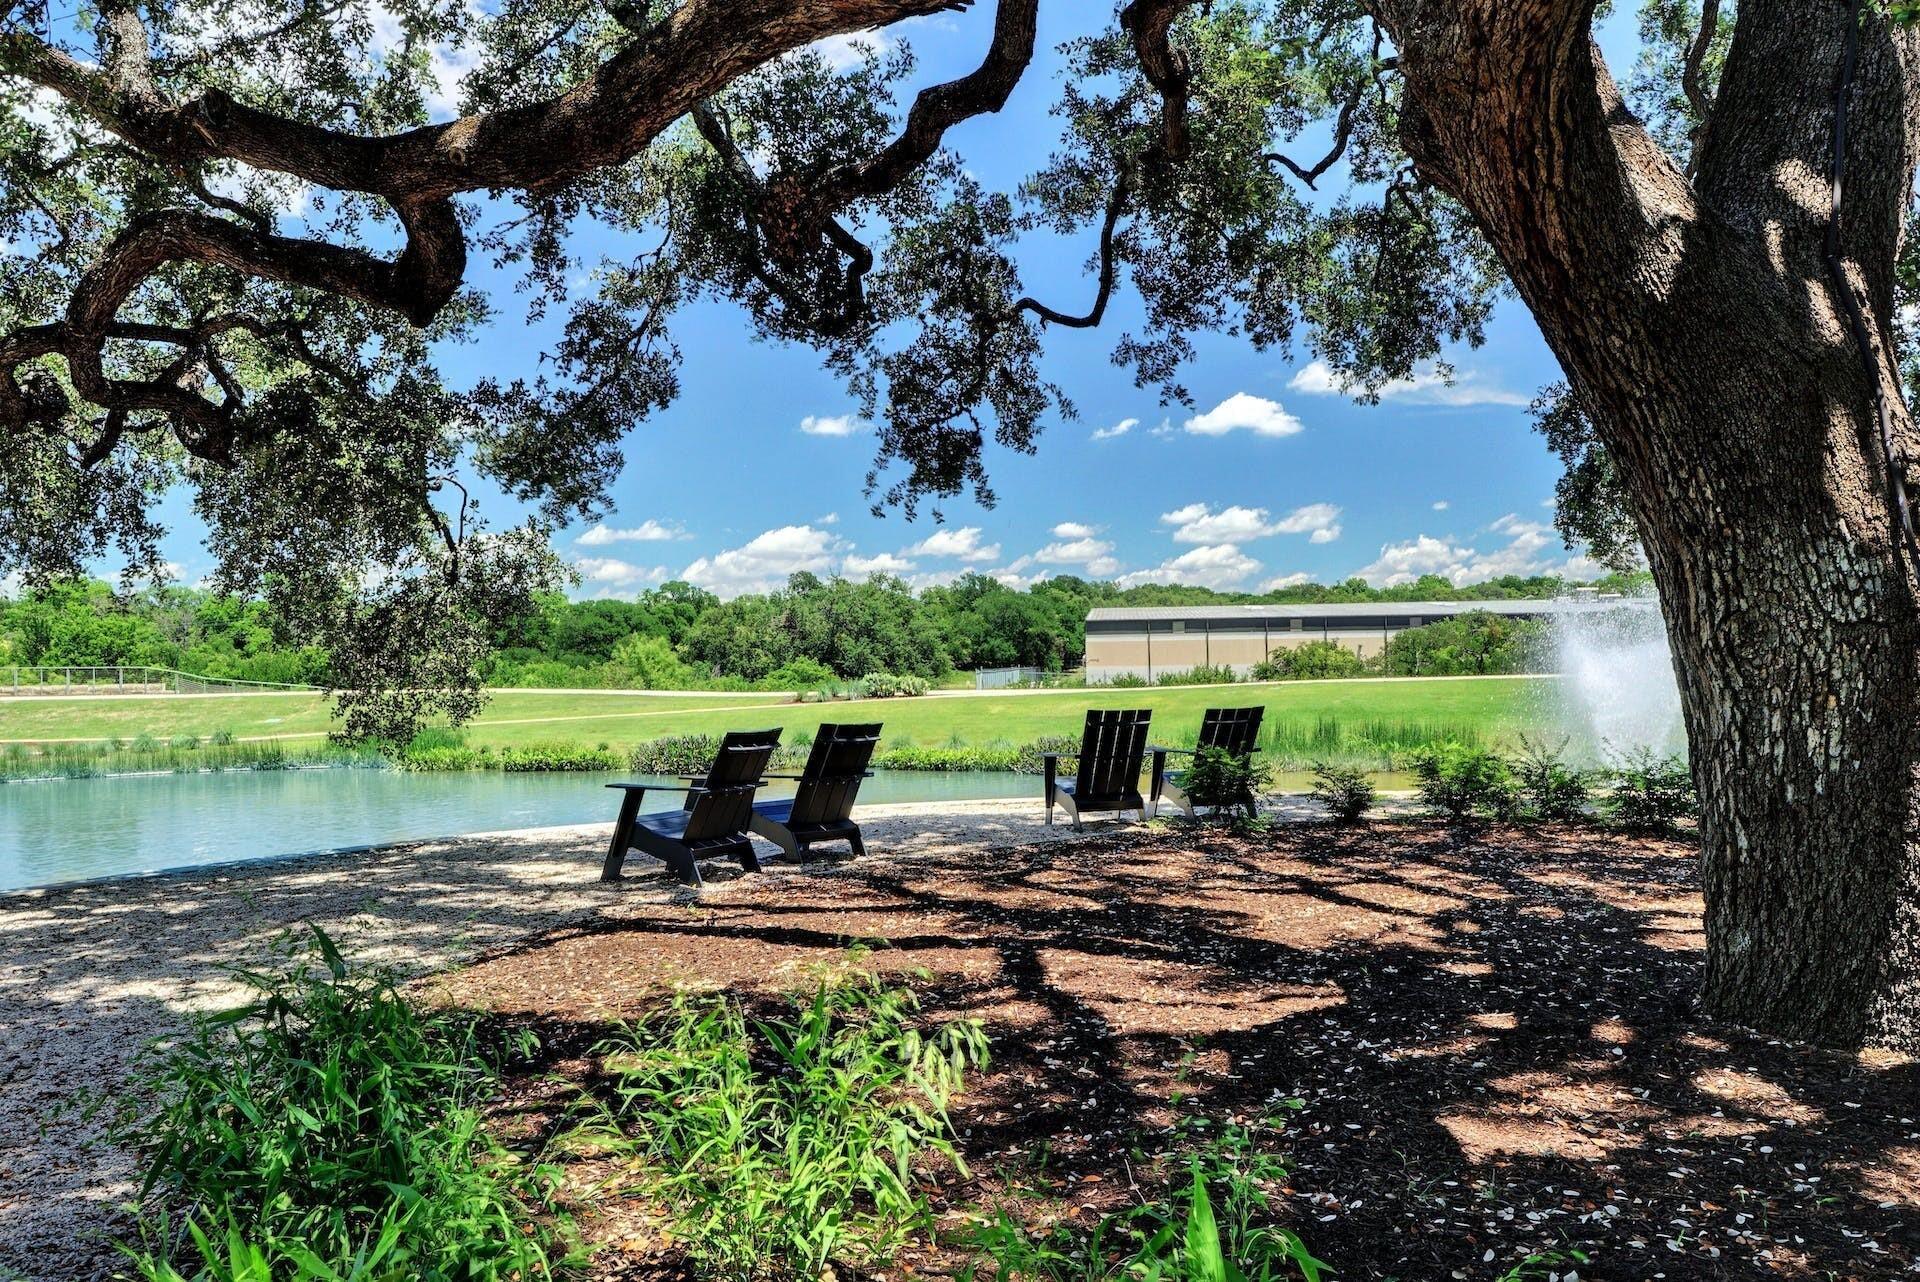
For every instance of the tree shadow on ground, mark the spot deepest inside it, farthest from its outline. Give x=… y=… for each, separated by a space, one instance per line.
x=1494 y=1036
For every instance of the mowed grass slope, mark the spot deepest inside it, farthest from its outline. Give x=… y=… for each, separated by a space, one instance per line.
x=1487 y=707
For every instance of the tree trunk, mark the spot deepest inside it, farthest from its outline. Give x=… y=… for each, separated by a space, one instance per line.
x=1700 y=325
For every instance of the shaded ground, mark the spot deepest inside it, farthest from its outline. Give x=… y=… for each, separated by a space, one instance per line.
x=1495 y=1040
x=89 y=973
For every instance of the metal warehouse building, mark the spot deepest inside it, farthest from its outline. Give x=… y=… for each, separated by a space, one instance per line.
x=1148 y=641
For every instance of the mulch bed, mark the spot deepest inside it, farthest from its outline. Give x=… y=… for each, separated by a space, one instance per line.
x=1495 y=1036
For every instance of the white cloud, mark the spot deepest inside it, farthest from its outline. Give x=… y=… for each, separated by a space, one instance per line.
x=764 y=562
x=962 y=543
x=1428 y=386
x=1293 y=580
x=1164 y=430
x=884 y=563
x=1199 y=523
x=648 y=531
x=1091 y=555
x=834 y=425
x=1257 y=414
x=611 y=572
x=844 y=53
x=1121 y=428
x=1530 y=548
x=449 y=64
x=831 y=518
x=1074 y=530
x=1441 y=505
x=1220 y=566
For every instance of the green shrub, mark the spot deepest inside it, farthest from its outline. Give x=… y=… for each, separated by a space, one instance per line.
x=1550 y=789
x=1463 y=783
x=1029 y=760
x=1651 y=793
x=184 y=741
x=1221 y=779
x=674 y=755
x=144 y=742
x=649 y=663
x=220 y=738
x=786 y=1147
x=558 y=756
x=799 y=674
x=885 y=685
x=913 y=757
x=329 y=1128
x=1313 y=660
x=1347 y=793
x=1125 y=681
x=1199 y=675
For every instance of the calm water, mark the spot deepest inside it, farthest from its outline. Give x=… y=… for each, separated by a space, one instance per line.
x=76 y=829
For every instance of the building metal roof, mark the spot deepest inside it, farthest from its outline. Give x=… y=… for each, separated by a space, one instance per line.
x=1336 y=610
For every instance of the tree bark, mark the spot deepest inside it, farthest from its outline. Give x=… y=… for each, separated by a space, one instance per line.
x=1701 y=327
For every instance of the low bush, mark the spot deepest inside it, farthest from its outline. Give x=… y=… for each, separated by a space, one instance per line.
x=220 y=738
x=800 y=675
x=1464 y=783
x=1030 y=758
x=786 y=1148
x=559 y=757
x=328 y=1129
x=1313 y=660
x=1346 y=792
x=1122 y=681
x=144 y=742
x=1199 y=675
x=1222 y=779
x=1651 y=793
x=913 y=757
x=184 y=741
x=1550 y=789
x=673 y=755
x=885 y=685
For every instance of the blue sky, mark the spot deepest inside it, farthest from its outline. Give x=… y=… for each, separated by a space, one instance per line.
x=1272 y=475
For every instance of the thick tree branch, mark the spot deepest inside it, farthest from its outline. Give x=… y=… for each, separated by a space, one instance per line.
x=1149 y=23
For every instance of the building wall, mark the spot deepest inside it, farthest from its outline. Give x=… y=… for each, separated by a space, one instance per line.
x=1147 y=655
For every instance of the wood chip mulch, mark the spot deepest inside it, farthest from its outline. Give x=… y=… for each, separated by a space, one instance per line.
x=1495 y=1039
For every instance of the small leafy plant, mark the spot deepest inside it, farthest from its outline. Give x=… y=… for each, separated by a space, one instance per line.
x=1550 y=789
x=327 y=1129
x=1651 y=793
x=1346 y=791
x=786 y=1146
x=1465 y=783
x=1223 y=779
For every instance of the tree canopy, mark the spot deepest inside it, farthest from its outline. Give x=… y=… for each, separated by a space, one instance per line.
x=240 y=228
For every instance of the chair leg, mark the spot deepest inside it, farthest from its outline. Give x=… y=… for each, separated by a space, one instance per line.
x=857 y=844
x=749 y=861
x=622 y=837
x=685 y=868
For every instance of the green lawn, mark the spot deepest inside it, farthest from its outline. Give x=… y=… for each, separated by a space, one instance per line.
x=1489 y=708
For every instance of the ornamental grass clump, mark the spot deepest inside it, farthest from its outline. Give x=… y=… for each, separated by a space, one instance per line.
x=328 y=1128
x=787 y=1147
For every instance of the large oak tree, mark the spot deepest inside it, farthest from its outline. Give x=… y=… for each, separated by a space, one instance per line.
x=236 y=231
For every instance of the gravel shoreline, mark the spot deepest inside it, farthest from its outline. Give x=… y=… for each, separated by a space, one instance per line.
x=91 y=972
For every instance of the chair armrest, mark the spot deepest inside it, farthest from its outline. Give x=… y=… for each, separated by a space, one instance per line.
x=1054 y=756
x=1185 y=752
x=655 y=787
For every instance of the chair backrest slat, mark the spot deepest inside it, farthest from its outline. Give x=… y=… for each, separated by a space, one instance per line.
x=1234 y=730
x=723 y=806
x=1111 y=749
x=831 y=780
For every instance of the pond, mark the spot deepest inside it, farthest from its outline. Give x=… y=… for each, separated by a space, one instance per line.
x=80 y=829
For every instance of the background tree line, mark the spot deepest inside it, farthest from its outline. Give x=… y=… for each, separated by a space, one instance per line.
x=811 y=631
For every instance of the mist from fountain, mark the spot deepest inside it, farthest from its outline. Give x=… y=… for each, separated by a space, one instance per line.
x=1616 y=697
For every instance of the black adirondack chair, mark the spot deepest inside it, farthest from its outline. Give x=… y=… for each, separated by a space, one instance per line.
x=1107 y=777
x=713 y=823
x=1234 y=730
x=821 y=807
